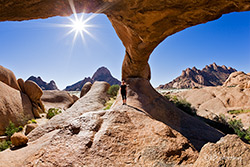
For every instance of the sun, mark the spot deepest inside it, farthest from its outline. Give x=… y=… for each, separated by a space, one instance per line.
x=78 y=23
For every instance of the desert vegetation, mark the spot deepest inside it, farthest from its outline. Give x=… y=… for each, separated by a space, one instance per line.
x=181 y=104
x=10 y=130
x=113 y=90
x=238 y=111
x=52 y=112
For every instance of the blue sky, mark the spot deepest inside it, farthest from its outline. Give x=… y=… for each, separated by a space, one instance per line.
x=41 y=48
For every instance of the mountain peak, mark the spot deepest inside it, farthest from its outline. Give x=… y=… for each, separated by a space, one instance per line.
x=101 y=74
x=210 y=75
x=42 y=84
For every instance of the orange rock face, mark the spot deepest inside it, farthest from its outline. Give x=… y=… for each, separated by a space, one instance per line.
x=8 y=77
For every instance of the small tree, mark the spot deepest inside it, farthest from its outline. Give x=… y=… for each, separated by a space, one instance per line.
x=11 y=129
x=112 y=91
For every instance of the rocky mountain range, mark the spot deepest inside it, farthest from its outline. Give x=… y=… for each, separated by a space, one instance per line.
x=42 y=84
x=211 y=75
x=102 y=74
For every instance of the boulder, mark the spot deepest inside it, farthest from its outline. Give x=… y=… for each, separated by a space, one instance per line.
x=57 y=99
x=15 y=106
x=228 y=151
x=30 y=127
x=19 y=139
x=239 y=79
x=21 y=84
x=211 y=102
x=33 y=90
x=86 y=87
x=75 y=98
x=8 y=77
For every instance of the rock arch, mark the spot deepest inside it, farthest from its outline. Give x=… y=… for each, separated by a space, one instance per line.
x=141 y=25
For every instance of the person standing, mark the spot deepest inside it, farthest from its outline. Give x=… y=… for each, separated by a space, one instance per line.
x=124 y=92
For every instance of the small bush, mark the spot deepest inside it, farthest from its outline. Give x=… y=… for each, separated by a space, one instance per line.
x=109 y=103
x=238 y=111
x=112 y=91
x=181 y=104
x=32 y=121
x=4 y=145
x=11 y=129
x=52 y=112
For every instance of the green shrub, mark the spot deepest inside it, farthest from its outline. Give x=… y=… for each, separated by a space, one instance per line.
x=4 y=145
x=181 y=104
x=11 y=129
x=109 y=103
x=32 y=121
x=238 y=111
x=52 y=112
x=112 y=91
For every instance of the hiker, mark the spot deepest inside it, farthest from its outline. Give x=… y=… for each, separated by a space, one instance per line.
x=124 y=92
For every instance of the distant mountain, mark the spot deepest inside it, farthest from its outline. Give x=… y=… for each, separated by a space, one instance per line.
x=102 y=74
x=211 y=75
x=44 y=85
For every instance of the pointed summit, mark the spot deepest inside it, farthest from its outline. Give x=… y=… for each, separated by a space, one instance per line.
x=101 y=74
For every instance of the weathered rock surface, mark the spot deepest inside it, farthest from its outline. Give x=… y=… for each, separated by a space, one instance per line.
x=30 y=127
x=94 y=100
x=142 y=96
x=239 y=79
x=8 y=77
x=19 y=139
x=102 y=74
x=211 y=75
x=56 y=99
x=228 y=151
x=122 y=136
x=15 y=106
x=210 y=102
x=43 y=85
x=86 y=87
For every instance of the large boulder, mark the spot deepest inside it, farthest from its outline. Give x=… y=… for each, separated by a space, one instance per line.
x=212 y=102
x=86 y=87
x=33 y=90
x=19 y=139
x=57 y=99
x=228 y=151
x=239 y=79
x=15 y=106
x=8 y=77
